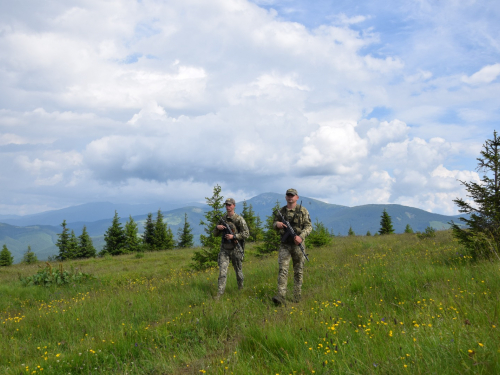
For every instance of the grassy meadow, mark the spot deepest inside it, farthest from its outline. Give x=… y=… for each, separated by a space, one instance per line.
x=371 y=305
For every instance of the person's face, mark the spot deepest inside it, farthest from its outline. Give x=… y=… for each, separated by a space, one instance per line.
x=230 y=208
x=291 y=198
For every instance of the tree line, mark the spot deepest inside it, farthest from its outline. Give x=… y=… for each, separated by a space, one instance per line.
x=123 y=240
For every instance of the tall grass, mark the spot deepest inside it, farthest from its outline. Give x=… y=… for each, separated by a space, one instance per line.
x=389 y=305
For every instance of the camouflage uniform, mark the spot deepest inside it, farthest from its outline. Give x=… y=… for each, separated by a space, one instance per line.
x=301 y=223
x=229 y=252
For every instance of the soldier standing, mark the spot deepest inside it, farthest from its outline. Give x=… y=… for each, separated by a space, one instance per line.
x=299 y=219
x=231 y=249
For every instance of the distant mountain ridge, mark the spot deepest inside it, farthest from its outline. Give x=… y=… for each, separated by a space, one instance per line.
x=41 y=234
x=90 y=212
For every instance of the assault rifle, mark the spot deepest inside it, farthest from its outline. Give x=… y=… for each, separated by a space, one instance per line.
x=228 y=230
x=290 y=232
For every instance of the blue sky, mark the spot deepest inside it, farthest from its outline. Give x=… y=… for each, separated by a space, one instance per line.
x=349 y=102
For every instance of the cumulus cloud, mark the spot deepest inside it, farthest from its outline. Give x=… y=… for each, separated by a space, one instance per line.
x=125 y=100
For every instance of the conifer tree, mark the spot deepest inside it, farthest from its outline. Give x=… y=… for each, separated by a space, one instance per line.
x=351 y=232
x=149 y=233
x=185 y=235
x=253 y=222
x=132 y=240
x=481 y=237
x=63 y=243
x=72 y=246
x=408 y=229
x=170 y=243
x=368 y=234
x=386 y=224
x=29 y=256
x=259 y=233
x=163 y=236
x=319 y=235
x=6 y=258
x=244 y=211
x=114 y=238
x=271 y=237
x=86 y=247
x=207 y=256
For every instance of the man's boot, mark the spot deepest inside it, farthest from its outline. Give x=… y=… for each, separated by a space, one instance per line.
x=278 y=300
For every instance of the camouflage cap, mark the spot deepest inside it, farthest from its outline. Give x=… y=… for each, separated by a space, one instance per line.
x=230 y=201
x=292 y=191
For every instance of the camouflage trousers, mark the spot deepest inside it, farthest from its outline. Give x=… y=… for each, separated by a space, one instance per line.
x=235 y=257
x=294 y=253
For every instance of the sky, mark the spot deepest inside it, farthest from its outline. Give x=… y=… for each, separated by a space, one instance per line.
x=348 y=102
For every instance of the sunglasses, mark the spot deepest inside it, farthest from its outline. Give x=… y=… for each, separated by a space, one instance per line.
x=290 y=195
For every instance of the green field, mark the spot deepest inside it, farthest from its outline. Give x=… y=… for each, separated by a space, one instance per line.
x=371 y=305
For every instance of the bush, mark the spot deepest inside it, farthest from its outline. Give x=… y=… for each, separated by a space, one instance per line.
x=29 y=256
x=203 y=259
x=428 y=233
x=319 y=236
x=48 y=276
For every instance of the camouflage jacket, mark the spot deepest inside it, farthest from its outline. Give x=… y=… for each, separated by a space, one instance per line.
x=238 y=226
x=299 y=219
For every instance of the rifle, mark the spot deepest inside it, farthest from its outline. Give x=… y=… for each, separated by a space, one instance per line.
x=290 y=232
x=228 y=230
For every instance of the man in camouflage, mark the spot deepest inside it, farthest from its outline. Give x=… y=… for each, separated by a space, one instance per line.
x=231 y=250
x=299 y=219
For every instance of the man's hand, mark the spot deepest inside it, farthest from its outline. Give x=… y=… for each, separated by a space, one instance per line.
x=221 y=227
x=297 y=240
x=229 y=236
x=280 y=225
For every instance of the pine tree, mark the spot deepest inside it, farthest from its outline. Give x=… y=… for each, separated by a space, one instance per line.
x=170 y=243
x=319 y=236
x=148 y=236
x=72 y=246
x=6 y=258
x=481 y=238
x=29 y=256
x=132 y=240
x=244 y=211
x=351 y=232
x=386 y=224
x=271 y=237
x=86 y=248
x=62 y=243
x=408 y=229
x=253 y=222
x=185 y=234
x=114 y=238
x=207 y=256
x=259 y=233
x=368 y=234
x=163 y=236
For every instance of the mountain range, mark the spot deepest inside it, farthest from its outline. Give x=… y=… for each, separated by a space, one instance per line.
x=40 y=230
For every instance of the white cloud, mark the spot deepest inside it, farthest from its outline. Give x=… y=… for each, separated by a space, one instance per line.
x=332 y=150
x=7 y=138
x=122 y=99
x=487 y=74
